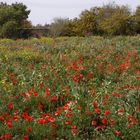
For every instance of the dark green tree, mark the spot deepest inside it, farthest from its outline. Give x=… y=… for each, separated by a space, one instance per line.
x=136 y=21
x=13 y=18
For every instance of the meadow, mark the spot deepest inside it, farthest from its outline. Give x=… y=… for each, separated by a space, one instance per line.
x=70 y=88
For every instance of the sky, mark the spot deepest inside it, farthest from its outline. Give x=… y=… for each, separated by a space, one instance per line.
x=44 y=11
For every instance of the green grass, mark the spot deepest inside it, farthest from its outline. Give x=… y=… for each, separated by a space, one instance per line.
x=70 y=88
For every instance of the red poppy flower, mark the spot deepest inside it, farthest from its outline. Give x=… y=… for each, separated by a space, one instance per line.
x=51 y=119
x=98 y=127
x=117 y=132
x=47 y=91
x=106 y=96
x=28 y=118
x=69 y=114
x=66 y=106
x=40 y=106
x=25 y=137
x=95 y=104
x=28 y=129
x=67 y=121
x=9 y=123
x=116 y=94
x=138 y=77
x=53 y=125
x=120 y=110
x=107 y=112
x=88 y=112
x=41 y=120
x=10 y=105
x=129 y=124
x=111 y=122
x=104 y=120
x=11 y=74
x=1 y=118
x=132 y=119
x=7 y=136
x=16 y=111
x=54 y=98
x=93 y=123
x=35 y=93
x=57 y=113
x=15 y=117
x=73 y=127
x=97 y=110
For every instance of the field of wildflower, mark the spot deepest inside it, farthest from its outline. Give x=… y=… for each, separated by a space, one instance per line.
x=70 y=88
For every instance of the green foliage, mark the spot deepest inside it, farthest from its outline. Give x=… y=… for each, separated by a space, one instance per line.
x=116 y=25
x=114 y=19
x=8 y=29
x=69 y=28
x=70 y=88
x=12 y=18
x=110 y=19
x=136 y=19
x=88 y=23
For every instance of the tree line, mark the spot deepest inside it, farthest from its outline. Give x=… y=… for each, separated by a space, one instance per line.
x=110 y=19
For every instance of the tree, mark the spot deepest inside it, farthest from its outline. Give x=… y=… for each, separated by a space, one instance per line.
x=113 y=19
x=84 y=25
x=12 y=18
x=88 y=24
x=136 y=20
x=110 y=19
x=58 y=26
x=8 y=29
x=69 y=28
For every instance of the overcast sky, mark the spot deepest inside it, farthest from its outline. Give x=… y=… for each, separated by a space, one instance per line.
x=43 y=11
